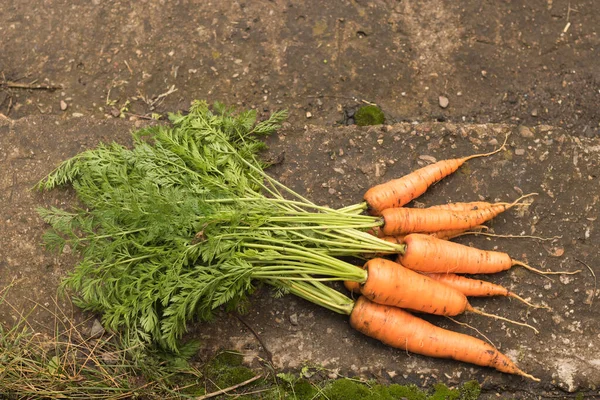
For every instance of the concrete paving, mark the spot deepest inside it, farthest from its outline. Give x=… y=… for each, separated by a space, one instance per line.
x=334 y=166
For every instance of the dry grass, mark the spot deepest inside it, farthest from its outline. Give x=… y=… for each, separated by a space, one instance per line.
x=70 y=364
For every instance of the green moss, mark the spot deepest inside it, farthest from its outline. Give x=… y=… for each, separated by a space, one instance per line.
x=369 y=115
x=442 y=392
x=302 y=389
x=233 y=375
x=229 y=358
x=226 y=370
x=410 y=392
x=470 y=390
x=380 y=392
x=345 y=389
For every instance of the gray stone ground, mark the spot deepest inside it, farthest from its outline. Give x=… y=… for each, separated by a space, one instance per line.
x=334 y=166
x=531 y=63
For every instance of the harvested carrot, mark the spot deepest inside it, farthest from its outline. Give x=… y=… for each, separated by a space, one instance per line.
x=392 y=284
x=402 y=330
x=462 y=206
x=375 y=231
x=446 y=235
x=401 y=191
x=453 y=233
x=352 y=286
x=397 y=239
x=425 y=253
x=423 y=220
x=476 y=287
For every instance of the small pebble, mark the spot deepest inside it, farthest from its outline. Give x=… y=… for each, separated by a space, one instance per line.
x=294 y=319
x=63 y=105
x=97 y=329
x=428 y=158
x=525 y=132
x=308 y=114
x=534 y=112
x=519 y=152
x=77 y=115
x=331 y=191
x=443 y=100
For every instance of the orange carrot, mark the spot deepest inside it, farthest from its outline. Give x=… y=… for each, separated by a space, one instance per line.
x=402 y=330
x=391 y=284
x=397 y=239
x=352 y=286
x=407 y=220
x=453 y=233
x=462 y=206
x=446 y=235
x=476 y=287
x=425 y=253
x=375 y=231
x=401 y=191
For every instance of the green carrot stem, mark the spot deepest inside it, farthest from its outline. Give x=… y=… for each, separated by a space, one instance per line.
x=319 y=294
x=354 y=208
x=286 y=267
x=305 y=255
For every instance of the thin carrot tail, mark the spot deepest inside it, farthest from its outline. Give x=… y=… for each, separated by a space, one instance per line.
x=503 y=363
x=473 y=328
x=499 y=149
x=515 y=236
x=516 y=296
x=476 y=311
x=522 y=264
x=509 y=205
x=476 y=230
x=526 y=375
x=516 y=202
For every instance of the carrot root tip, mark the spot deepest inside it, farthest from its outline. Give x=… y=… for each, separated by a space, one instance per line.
x=529 y=376
x=522 y=264
x=517 y=297
x=498 y=317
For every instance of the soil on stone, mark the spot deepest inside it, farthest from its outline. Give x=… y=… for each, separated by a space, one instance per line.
x=531 y=63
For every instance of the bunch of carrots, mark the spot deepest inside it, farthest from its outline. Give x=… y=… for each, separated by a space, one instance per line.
x=424 y=276
x=187 y=221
